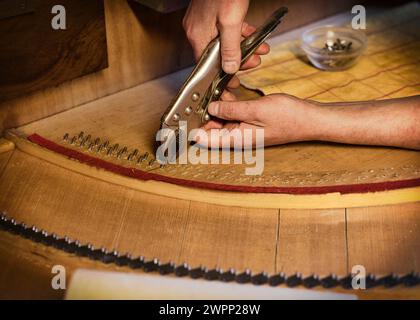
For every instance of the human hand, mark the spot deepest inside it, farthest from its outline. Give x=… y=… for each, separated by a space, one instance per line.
x=206 y=19
x=284 y=119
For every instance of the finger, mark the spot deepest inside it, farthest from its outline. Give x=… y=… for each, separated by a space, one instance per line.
x=247 y=29
x=228 y=96
x=197 y=50
x=233 y=110
x=213 y=124
x=214 y=138
x=234 y=83
x=230 y=39
x=233 y=134
x=252 y=62
x=199 y=39
x=199 y=43
x=263 y=49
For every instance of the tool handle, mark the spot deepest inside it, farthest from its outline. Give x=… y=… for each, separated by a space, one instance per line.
x=252 y=42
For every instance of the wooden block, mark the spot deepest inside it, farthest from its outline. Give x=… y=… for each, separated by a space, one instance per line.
x=385 y=239
x=312 y=241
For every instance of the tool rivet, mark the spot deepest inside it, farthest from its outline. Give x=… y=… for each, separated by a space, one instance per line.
x=195 y=96
x=188 y=110
x=175 y=117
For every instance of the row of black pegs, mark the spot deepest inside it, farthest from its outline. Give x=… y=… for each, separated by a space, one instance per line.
x=184 y=270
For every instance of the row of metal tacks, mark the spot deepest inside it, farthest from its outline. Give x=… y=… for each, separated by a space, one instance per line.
x=105 y=148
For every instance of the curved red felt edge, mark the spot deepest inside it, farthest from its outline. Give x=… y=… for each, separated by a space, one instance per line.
x=143 y=175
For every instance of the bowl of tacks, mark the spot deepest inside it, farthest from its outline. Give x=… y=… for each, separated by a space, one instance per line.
x=333 y=48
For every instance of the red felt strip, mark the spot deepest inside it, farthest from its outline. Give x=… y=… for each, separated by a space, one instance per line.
x=143 y=175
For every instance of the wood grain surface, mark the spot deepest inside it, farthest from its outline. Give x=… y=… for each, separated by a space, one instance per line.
x=388 y=68
x=312 y=241
x=142 y=45
x=6 y=150
x=61 y=55
x=252 y=200
x=84 y=203
x=241 y=238
x=4 y=159
x=132 y=117
x=383 y=239
x=27 y=275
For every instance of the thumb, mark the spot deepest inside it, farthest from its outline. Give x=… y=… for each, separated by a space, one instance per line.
x=233 y=110
x=230 y=41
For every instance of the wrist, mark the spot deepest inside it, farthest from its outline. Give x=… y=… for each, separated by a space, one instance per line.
x=312 y=123
x=329 y=122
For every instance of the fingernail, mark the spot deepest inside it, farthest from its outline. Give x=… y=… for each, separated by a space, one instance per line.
x=230 y=66
x=214 y=108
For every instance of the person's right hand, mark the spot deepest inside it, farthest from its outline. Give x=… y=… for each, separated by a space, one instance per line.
x=206 y=19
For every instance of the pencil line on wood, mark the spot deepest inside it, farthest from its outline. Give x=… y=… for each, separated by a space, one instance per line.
x=277 y=241
x=184 y=233
x=3 y=168
x=347 y=240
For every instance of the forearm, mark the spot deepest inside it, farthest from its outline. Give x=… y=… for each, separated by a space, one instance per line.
x=394 y=122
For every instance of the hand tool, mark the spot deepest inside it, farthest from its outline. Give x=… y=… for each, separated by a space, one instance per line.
x=205 y=84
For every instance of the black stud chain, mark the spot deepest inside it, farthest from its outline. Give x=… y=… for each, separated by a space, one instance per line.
x=184 y=270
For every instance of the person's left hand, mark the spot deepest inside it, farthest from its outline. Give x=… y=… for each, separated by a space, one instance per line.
x=284 y=119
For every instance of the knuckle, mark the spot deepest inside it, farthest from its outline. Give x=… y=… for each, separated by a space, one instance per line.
x=274 y=98
x=250 y=111
x=229 y=111
x=230 y=21
x=185 y=23
x=231 y=52
x=191 y=34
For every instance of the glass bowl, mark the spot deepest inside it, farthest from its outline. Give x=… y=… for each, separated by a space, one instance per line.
x=333 y=48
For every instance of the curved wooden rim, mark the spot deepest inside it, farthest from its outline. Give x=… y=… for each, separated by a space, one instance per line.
x=144 y=175
x=228 y=198
x=6 y=145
